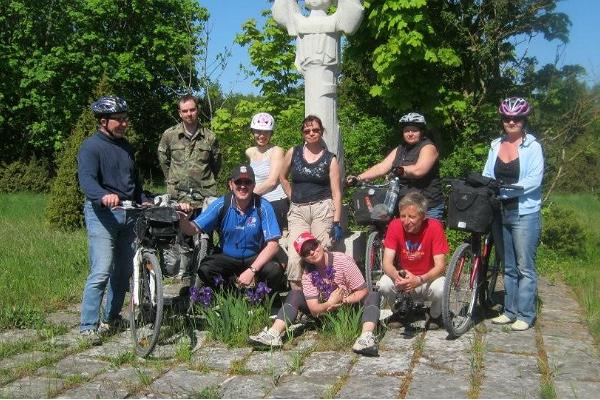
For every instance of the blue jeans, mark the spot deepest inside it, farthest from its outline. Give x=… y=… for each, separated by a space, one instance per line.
x=110 y=251
x=521 y=236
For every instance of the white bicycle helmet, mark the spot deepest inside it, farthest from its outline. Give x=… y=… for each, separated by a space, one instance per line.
x=107 y=105
x=262 y=122
x=414 y=119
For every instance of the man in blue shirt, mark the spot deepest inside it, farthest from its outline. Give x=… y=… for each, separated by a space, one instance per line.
x=107 y=176
x=249 y=241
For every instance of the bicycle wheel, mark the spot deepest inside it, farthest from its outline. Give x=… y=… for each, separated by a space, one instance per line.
x=373 y=259
x=146 y=305
x=460 y=295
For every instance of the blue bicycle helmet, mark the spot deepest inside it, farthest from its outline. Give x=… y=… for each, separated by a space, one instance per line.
x=107 y=105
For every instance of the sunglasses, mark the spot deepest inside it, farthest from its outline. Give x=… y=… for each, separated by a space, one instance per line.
x=514 y=119
x=244 y=182
x=308 y=248
x=313 y=130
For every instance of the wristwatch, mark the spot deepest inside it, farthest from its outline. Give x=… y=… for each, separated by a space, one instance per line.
x=421 y=279
x=254 y=271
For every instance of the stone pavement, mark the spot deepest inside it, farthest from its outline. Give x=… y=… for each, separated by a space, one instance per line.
x=557 y=358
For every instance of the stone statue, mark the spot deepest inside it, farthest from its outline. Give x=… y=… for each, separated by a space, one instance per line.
x=318 y=55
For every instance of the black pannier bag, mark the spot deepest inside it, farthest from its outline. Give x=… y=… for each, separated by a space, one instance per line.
x=470 y=208
x=162 y=222
x=368 y=204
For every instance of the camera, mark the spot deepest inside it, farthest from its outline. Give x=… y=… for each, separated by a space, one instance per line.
x=403 y=305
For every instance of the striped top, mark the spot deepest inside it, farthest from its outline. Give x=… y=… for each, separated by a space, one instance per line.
x=347 y=276
x=261 y=173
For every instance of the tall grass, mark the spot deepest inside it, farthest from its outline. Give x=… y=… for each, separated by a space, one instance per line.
x=581 y=273
x=40 y=269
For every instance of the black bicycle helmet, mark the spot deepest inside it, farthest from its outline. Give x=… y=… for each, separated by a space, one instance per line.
x=107 y=105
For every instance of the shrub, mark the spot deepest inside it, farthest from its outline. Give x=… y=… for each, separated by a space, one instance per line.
x=563 y=231
x=23 y=176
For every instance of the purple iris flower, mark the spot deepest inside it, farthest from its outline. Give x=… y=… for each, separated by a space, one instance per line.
x=218 y=280
x=202 y=295
x=324 y=286
x=257 y=295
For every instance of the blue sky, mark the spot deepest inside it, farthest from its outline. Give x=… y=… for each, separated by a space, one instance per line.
x=227 y=17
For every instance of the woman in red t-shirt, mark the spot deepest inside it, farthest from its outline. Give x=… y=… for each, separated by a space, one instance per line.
x=416 y=245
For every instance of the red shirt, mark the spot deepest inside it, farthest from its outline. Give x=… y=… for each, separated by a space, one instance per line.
x=416 y=251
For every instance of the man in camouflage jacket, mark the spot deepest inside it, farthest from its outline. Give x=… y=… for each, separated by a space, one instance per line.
x=190 y=158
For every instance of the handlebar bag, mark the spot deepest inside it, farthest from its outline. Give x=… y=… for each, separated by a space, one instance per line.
x=364 y=200
x=162 y=221
x=470 y=208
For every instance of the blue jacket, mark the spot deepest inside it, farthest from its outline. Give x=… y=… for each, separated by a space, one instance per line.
x=531 y=172
x=107 y=166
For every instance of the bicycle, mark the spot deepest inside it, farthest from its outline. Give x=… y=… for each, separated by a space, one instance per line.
x=156 y=229
x=472 y=273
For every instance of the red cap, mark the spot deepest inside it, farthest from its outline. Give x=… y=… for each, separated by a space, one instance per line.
x=301 y=239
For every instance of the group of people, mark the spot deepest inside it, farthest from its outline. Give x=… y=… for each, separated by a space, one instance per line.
x=300 y=191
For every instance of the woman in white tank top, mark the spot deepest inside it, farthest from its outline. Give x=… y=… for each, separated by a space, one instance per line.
x=266 y=160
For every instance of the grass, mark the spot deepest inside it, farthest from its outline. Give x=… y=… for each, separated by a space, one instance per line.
x=581 y=273
x=42 y=270
x=341 y=328
x=476 y=365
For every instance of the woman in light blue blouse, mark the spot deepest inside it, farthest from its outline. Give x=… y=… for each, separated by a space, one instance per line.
x=516 y=158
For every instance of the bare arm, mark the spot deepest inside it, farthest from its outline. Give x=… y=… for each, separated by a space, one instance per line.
x=285 y=170
x=334 y=301
x=356 y=296
x=336 y=192
x=380 y=168
x=427 y=157
x=414 y=281
x=274 y=173
x=389 y=269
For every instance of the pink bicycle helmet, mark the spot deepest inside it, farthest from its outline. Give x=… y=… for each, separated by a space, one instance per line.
x=514 y=107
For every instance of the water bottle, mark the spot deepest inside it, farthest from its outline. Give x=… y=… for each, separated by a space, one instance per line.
x=391 y=197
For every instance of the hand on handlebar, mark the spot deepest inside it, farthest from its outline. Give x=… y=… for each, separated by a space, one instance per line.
x=351 y=180
x=110 y=200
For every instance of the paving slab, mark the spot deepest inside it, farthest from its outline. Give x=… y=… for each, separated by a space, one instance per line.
x=434 y=383
x=572 y=367
x=571 y=389
x=246 y=387
x=68 y=340
x=219 y=358
x=497 y=386
x=326 y=364
x=271 y=363
x=511 y=367
x=572 y=330
x=302 y=387
x=370 y=387
x=23 y=358
x=12 y=336
x=108 y=349
x=118 y=383
x=182 y=383
x=32 y=387
x=388 y=364
x=74 y=365
x=511 y=342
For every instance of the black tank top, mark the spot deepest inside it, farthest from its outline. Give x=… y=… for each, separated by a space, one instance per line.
x=310 y=181
x=430 y=184
x=508 y=173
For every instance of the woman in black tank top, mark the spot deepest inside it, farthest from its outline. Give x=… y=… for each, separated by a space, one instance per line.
x=415 y=162
x=315 y=194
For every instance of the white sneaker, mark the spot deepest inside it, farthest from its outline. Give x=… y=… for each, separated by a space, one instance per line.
x=519 y=325
x=502 y=320
x=267 y=337
x=366 y=344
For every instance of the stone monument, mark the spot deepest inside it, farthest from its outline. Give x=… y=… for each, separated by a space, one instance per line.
x=318 y=56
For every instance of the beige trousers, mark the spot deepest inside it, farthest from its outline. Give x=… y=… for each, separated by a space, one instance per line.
x=430 y=291
x=316 y=218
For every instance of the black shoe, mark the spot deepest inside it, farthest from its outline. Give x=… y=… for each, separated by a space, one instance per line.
x=395 y=321
x=432 y=324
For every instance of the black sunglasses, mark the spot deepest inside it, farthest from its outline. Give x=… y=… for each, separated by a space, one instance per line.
x=308 y=248
x=514 y=119
x=240 y=182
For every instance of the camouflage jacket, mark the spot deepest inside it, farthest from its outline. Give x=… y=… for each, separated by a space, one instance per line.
x=190 y=166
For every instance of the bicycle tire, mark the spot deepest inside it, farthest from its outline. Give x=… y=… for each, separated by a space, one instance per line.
x=490 y=293
x=373 y=259
x=458 y=301
x=146 y=305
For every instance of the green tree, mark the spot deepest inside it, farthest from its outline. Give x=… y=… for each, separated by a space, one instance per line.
x=53 y=53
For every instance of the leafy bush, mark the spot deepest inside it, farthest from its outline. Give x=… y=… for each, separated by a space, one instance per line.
x=563 y=231
x=22 y=176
